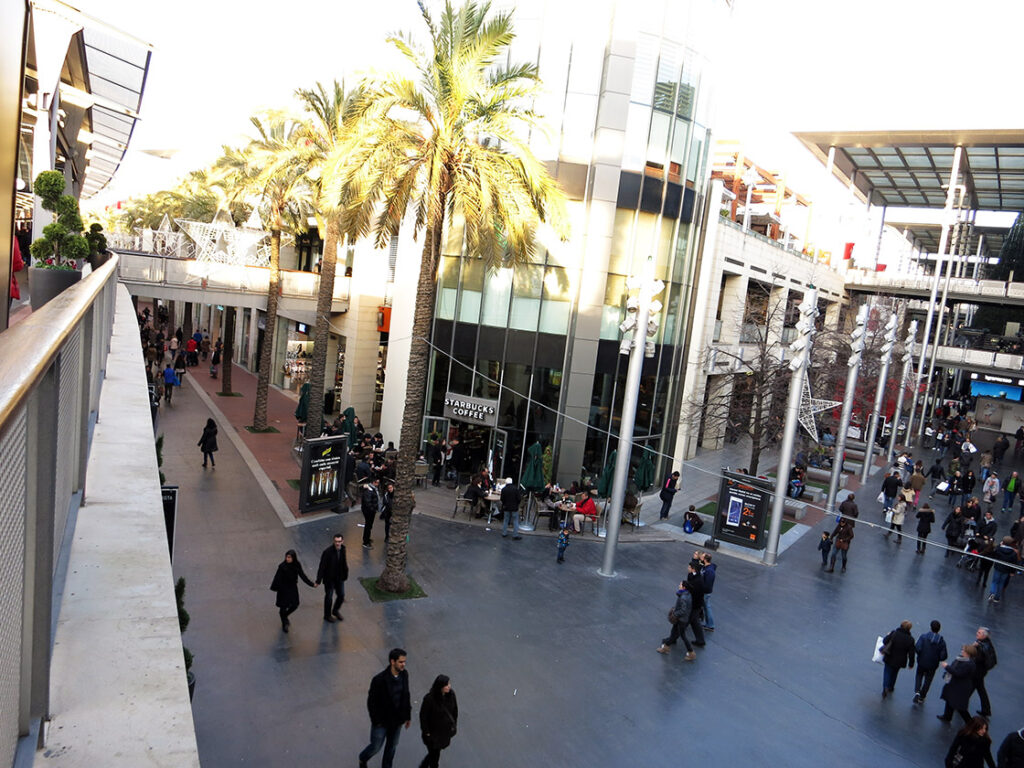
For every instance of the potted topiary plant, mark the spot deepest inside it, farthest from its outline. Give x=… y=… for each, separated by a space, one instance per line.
x=98 y=254
x=57 y=255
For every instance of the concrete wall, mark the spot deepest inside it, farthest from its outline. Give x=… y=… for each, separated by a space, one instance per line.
x=118 y=690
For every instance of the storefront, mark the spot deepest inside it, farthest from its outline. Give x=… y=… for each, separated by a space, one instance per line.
x=298 y=358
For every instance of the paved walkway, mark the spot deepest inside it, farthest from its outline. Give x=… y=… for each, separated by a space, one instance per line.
x=555 y=665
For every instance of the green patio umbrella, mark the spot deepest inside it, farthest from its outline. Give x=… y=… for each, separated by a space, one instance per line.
x=644 y=477
x=533 y=475
x=302 y=409
x=348 y=425
x=604 y=484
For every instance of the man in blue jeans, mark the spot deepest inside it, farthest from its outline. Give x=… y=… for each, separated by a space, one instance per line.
x=1007 y=557
x=389 y=706
x=708 y=574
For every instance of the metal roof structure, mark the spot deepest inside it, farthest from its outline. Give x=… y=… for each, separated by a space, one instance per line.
x=101 y=85
x=911 y=168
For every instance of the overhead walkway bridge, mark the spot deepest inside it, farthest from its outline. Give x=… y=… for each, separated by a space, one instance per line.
x=178 y=279
x=962 y=290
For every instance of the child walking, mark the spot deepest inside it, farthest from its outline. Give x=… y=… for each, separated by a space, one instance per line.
x=563 y=542
x=825 y=545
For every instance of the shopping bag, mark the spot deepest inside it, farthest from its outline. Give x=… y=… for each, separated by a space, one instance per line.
x=688 y=527
x=878 y=658
x=881 y=498
x=888 y=516
x=942 y=487
x=177 y=381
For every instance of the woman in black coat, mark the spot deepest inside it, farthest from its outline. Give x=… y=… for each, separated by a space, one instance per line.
x=286 y=584
x=972 y=747
x=925 y=521
x=957 y=692
x=439 y=716
x=208 y=442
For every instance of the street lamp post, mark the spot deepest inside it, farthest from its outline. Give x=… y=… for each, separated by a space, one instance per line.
x=857 y=352
x=638 y=320
x=883 y=375
x=750 y=178
x=908 y=360
x=801 y=349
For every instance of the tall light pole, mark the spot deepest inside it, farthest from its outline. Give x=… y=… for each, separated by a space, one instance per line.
x=954 y=175
x=908 y=360
x=638 y=320
x=887 y=344
x=750 y=178
x=801 y=349
x=856 y=353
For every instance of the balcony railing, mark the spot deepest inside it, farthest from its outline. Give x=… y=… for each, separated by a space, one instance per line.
x=51 y=367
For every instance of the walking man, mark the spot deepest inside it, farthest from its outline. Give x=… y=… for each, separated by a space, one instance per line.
x=389 y=706
x=370 y=507
x=1007 y=557
x=511 y=497
x=681 y=619
x=668 y=492
x=1010 y=488
x=931 y=651
x=983 y=663
x=708 y=574
x=890 y=487
x=332 y=573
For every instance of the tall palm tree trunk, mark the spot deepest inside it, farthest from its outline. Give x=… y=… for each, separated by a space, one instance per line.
x=186 y=326
x=324 y=296
x=394 y=578
x=228 y=351
x=259 y=416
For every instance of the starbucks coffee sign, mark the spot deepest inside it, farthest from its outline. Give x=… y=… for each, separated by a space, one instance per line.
x=472 y=409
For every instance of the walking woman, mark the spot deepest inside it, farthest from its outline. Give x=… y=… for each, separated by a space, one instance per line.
x=439 y=716
x=972 y=747
x=286 y=584
x=957 y=692
x=208 y=442
x=680 y=618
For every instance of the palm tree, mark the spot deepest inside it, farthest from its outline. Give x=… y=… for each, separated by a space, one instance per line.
x=321 y=131
x=451 y=144
x=283 y=192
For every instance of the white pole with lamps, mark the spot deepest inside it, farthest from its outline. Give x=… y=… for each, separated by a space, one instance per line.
x=857 y=339
x=638 y=321
x=883 y=375
x=801 y=349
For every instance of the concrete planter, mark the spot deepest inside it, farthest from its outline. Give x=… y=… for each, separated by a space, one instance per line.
x=45 y=284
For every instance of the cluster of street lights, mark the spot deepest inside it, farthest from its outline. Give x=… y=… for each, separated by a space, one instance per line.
x=639 y=329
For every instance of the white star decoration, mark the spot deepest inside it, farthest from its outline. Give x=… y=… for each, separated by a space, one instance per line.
x=222 y=243
x=810 y=406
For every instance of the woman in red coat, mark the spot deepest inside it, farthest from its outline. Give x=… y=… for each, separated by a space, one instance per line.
x=17 y=264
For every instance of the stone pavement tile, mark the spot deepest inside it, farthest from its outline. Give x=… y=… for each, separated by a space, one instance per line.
x=555 y=665
x=272 y=450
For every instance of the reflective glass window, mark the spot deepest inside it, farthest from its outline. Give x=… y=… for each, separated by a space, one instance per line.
x=497 y=295
x=527 y=287
x=611 y=314
x=556 y=306
x=472 y=290
x=448 y=287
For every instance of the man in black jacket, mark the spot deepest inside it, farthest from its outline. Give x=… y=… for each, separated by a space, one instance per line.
x=985 y=661
x=899 y=650
x=389 y=706
x=332 y=573
x=511 y=498
x=890 y=487
x=695 y=585
x=668 y=492
x=370 y=506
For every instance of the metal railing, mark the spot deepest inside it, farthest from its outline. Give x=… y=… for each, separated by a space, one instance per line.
x=958 y=286
x=51 y=367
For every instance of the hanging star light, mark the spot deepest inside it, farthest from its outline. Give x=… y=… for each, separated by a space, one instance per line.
x=809 y=406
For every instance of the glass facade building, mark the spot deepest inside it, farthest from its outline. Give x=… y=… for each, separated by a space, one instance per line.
x=626 y=96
